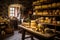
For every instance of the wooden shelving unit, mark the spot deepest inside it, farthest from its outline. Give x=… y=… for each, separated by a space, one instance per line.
x=47 y=5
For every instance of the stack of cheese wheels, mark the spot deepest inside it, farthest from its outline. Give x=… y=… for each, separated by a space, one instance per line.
x=33 y=24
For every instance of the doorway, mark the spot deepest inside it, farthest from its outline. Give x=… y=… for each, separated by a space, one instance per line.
x=14 y=10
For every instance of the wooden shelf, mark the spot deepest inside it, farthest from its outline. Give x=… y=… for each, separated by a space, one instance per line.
x=48 y=8
x=45 y=2
x=47 y=15
x=47 y=5
x=51 y=24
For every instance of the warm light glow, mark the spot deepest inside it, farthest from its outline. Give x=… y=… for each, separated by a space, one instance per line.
x=12 y=11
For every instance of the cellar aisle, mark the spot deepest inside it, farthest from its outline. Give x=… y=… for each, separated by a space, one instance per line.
x=17 y=36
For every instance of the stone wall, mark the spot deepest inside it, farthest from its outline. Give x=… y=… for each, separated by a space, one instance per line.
x=5 y=3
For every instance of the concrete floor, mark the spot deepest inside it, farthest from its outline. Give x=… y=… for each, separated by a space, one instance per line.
x=17 y=36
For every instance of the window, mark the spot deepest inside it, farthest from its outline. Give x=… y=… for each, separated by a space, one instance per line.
x=12 y=11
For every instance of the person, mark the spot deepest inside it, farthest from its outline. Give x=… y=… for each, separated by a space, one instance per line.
x=14 y=23
x=22 y=20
